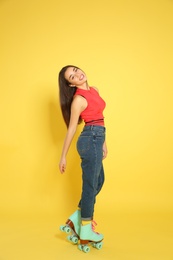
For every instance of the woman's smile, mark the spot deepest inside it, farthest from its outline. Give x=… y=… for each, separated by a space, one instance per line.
x=76 y=77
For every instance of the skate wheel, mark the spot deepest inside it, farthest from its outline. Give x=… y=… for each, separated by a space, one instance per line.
x=98 y=245
x=61 y=228
x=84 y=248
x=65 y=229
x=80 y=247
x=73 y=239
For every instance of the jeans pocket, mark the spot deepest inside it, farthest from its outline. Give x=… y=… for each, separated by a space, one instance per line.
x=83 y=144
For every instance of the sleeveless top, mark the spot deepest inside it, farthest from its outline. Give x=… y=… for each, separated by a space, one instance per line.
x=93 y=113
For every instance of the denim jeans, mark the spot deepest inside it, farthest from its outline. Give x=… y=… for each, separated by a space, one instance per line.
x=90 y=149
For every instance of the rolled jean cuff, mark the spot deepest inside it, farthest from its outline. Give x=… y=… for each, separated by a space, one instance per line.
x=87 y=219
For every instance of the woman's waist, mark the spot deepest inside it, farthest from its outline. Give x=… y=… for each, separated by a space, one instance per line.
x=97 y=122
x=94 y=129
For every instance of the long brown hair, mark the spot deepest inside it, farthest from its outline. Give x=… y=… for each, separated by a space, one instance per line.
x=66 y=94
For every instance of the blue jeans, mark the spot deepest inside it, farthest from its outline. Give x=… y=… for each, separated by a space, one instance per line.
x=90 y=149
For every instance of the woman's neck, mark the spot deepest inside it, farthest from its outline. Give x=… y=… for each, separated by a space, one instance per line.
x=84 y=86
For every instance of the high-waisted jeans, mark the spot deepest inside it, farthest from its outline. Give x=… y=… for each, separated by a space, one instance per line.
x=90 y=149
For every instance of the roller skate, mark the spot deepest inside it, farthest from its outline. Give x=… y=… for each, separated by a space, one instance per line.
x=89 y=237
x=72 y=226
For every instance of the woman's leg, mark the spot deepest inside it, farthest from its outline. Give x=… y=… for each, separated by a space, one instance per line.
x=91 y=153
x=100 y=180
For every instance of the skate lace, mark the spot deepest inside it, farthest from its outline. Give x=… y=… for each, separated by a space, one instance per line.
x=94 y=224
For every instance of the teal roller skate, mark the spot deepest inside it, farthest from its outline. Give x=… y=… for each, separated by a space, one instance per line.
x=89 y=237
x=72 y=227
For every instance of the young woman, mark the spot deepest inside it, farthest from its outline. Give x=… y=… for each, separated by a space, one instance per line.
x=79 y=101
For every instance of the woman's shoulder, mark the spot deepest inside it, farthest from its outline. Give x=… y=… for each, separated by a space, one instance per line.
x=79 y=101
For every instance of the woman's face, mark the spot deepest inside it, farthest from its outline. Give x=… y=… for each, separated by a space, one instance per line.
x=76 y=77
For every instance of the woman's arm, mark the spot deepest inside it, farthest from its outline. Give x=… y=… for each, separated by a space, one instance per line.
x=78 y=105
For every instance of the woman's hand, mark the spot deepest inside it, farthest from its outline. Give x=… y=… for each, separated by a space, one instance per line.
x=62 y=165
x=105 y=150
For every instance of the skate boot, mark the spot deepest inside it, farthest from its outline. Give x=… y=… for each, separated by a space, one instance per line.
x=89 y=236
x=72 y=226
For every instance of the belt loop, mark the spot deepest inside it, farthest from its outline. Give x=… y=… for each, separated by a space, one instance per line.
x=92 y=127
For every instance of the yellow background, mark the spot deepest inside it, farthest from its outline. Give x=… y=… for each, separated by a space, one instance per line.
x=126 y=49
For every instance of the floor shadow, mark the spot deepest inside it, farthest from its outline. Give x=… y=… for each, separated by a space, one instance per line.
x=60 y=236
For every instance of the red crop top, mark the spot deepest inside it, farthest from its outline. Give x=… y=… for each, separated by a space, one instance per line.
x=93 y=113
